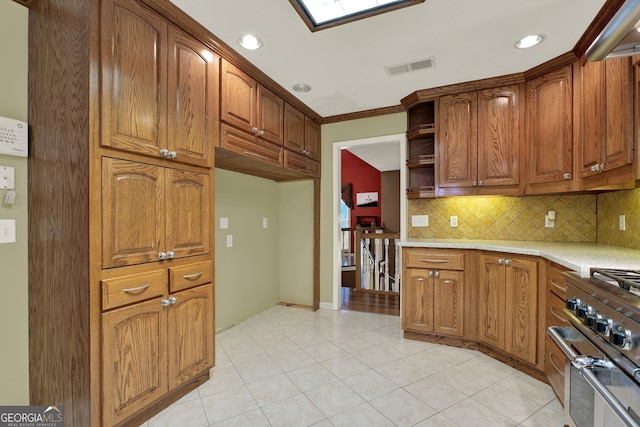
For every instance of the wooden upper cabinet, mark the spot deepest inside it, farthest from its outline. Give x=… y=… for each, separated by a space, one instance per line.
x=270 y=116
x=311 y=139
x=152 y=213
x=549 y=132
x=159 y=87
x=294 y=129
x=607 y=116
x=250 y=107
x=193 y=113
x=457 y=140
x=500 y=134
x=238 y=98
x=134 y=76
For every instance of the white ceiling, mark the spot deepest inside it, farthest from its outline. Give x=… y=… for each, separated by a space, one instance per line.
x=470 y=40
x=384 y=156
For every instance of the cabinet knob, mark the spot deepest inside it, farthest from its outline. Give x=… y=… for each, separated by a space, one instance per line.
x=171 y=254
x=500 y=261
x=480 y=183
x=566 y=176
x=162 y=255
x=173 y=154
x=165 y=302
x=437 y=274
x=254 y=129
x=601 y=167
x=164 y=153
x=474 y=184
x=173 y=300
x=430 y=273
x=507 y=261
x=260 y=133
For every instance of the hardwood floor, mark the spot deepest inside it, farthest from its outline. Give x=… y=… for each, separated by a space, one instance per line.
x=370 y=302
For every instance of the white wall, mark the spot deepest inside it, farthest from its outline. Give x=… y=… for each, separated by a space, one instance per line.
x=14 y=327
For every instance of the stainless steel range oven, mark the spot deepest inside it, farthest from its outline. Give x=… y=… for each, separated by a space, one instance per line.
x=602 y=343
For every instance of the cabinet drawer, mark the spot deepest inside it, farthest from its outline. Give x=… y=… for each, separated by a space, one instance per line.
x=300 y=163
x=554 y=314
x=133 y=288
x=188 y=276
x=556 y=282
x=437 y=259
x=250 y=146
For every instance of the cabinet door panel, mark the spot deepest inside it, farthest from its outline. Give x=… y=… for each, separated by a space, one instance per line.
x=134 y=78
x=238 y=96
x=312 y=138
x=132 y=204
x=193 y=99
x=492 y=301
x=499 y=136
x=618 y=148
x=187 y=204
x=417 y=301
x=448 y=303
x=521 y=309
x=270 y=116
x=134 y=359
x=293 y=129
x=550 y=128
x=593 y=107
x=191 y=334
x=458 y=139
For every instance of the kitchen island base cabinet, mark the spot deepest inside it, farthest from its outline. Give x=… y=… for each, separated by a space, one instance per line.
x=433 y=299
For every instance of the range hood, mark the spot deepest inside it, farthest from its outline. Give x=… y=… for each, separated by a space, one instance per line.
x=620 y=37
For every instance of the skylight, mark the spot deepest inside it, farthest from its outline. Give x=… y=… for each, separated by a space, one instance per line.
x=321 y=14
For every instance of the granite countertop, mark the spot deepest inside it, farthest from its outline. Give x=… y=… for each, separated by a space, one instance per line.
x=579 y=257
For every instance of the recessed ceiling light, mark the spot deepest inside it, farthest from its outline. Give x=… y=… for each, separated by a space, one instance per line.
x=301 y=87
x=528 y=41
x=250 y=42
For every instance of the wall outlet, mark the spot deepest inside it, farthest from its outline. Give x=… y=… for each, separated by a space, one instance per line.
x=265 y=222
x=224 y=223
x=453 y=221
x=419 y=220
x=622 y=222
x=7 y=230
x=548 y=222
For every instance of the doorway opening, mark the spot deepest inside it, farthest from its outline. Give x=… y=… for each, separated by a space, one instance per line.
x=389 y=148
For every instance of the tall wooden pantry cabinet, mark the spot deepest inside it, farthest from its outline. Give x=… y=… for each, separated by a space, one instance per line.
x=123 y=117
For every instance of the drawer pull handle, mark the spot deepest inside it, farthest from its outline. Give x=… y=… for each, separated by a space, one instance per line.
x=558 y=286
x=562 y=319
x=560 y=371
x=193 y=276
x=137 y=290
x=437 y=261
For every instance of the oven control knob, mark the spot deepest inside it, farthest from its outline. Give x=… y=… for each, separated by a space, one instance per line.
x=572 y=303
x=591 y=319
x=602 y=326
x=621 y=338
x=582 y=311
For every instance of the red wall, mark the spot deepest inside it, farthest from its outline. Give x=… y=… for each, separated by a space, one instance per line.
x=365 y=179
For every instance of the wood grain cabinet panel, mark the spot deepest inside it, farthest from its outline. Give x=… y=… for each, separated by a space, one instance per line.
x=607 y=120
x=169 y=208
x=549 y=132
x=134 y=359
x=159 y=87
x=433 y=299
x=508 y=304
x=312 y=138
x=238 y=98
x=294 y=129
x=270 y=116
x=190 y=340
x=479 y=140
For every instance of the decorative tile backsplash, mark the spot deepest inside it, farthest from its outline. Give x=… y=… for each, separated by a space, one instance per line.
x=508 y=218
x=610 y=207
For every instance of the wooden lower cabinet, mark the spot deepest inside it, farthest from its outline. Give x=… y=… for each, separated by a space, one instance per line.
x=554 y=359
x=433 y=298
x=153 y=346
x=508 y=301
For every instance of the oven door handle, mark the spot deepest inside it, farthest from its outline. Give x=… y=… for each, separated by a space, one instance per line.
x=557 y=333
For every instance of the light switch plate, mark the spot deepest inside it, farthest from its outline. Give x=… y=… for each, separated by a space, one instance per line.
x=265 y=222
x=419 y=220
x=229 y=240
x=224 y=223
x=7 y=230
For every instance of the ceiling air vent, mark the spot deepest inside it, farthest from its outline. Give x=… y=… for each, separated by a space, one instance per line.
x=408 y=67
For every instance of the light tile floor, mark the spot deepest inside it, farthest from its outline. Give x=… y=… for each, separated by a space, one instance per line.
x=293 y=367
